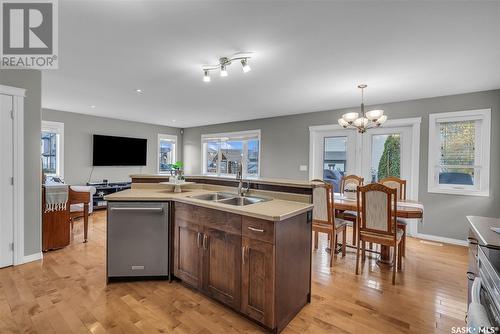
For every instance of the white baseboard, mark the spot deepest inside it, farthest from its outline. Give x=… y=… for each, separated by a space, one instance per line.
x=441 y=239
x=33 y=257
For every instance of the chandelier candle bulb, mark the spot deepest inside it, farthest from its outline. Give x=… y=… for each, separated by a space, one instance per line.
x=223 y=71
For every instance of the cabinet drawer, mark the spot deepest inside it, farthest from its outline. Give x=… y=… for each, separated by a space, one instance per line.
x=258 y=229
x=220 y=220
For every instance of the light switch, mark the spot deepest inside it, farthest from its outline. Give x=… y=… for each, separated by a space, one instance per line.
x=303 y=168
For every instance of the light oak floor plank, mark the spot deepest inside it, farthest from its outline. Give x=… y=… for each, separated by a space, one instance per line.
x=67 y=293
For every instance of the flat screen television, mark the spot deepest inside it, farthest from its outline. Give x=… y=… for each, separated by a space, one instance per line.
x=119 y=151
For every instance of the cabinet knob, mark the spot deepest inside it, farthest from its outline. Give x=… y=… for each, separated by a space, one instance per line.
x=470 y=275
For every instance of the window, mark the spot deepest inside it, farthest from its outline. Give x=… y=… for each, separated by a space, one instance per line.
x=222 y=153
x=166 y=152
x=334 y=155
x=52 y=148
x=386 y=156
x=459 y=152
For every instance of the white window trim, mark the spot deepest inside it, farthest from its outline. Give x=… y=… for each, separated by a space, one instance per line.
x=484 y=152
x=229 y=135
x=172 y=138
x=57 y=127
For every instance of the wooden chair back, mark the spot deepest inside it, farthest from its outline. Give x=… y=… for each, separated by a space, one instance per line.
x=397 y=183
x=350 y=182
x=323 y=202
x=377 y=206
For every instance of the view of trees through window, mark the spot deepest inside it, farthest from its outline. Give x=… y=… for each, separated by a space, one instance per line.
x=457 y=152
x=49 y=152
x=386 y=156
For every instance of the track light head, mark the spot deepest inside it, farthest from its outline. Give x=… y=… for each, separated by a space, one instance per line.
x=206 y=76
x=223 y=71
x=246 y=68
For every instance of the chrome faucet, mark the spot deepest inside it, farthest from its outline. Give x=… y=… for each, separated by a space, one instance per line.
x=239 y=176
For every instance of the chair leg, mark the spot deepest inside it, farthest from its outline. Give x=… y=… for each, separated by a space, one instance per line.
x=344 y=239
x=334 y=242
x=354 y=234
x=333 y=246
x=316 y=237
x=400 y=255
x=357 y=259
x=395 y=256
x=363 y=253
x=403 y=247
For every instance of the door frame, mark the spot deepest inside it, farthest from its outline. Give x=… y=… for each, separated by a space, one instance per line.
x=413 y=122
x=18 y=95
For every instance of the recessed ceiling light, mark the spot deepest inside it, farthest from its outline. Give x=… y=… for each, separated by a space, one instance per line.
x=92 y=106
x=139 y=91
x=173 y=121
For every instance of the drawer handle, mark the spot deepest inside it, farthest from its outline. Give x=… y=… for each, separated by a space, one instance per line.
x=198 y=240
x=205 y=242
x=243 y=254
x=255 y=229
x=137 y=209
x=470 y=275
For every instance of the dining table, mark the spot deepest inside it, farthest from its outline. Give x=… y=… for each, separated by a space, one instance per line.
x=406 y=208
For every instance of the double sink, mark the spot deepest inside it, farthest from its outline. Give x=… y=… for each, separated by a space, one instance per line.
x=231 y=199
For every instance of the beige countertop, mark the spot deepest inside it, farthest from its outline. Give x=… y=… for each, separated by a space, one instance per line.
x=481 y=226
x=275 y=210
x=273 y=181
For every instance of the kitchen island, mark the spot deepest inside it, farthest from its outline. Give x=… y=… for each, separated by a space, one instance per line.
x=254 y=258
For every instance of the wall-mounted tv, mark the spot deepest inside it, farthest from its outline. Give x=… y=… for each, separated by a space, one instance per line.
x=119 y=151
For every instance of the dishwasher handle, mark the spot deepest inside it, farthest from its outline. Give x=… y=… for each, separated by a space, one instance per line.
x=137 y=209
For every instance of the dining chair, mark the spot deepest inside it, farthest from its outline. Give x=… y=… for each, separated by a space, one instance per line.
x=324 y=220
x=377 y=205
x=400 y=186
x=349 y=184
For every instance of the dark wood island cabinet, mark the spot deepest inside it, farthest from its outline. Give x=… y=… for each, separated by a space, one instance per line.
x=257 y=267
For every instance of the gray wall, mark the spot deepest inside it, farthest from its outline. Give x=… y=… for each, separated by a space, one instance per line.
x=31 y=81
x=78 y=131
x=285 y=146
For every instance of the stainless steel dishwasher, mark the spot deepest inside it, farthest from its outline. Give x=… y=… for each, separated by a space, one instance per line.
x=137 y=240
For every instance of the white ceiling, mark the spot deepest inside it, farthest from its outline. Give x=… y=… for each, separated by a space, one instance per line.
x=309 y=56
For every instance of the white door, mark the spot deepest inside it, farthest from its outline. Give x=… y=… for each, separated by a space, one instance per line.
x=6 y=186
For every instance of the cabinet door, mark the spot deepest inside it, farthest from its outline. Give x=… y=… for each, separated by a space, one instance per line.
x=257 y=296
x=187 y=251
x=221 y=275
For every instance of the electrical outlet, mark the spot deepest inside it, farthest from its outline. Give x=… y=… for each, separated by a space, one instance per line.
x=303 y=168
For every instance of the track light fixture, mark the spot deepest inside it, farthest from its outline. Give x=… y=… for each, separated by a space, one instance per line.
x=226 y=61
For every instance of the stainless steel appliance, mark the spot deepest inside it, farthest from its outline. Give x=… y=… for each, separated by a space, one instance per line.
x=137 y=240
x=488 y=293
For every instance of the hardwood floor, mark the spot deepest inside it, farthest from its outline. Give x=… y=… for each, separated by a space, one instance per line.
x=67 y=293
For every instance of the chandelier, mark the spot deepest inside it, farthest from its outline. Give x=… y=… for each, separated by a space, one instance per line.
x=226 y=61
x=364 y=120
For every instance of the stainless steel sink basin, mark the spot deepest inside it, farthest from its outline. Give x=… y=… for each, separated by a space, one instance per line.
x=242 y=201
x=213 y=197
x=231 y=199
